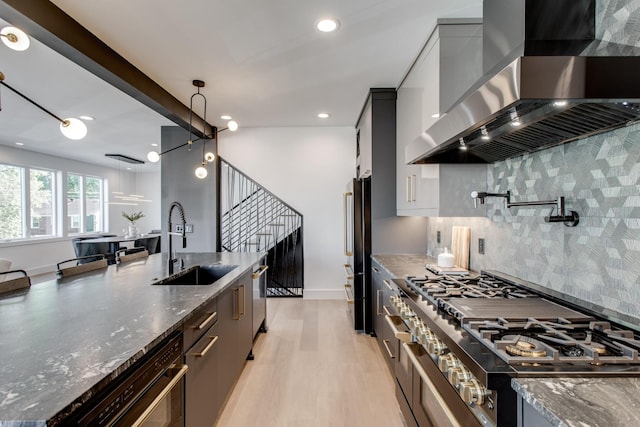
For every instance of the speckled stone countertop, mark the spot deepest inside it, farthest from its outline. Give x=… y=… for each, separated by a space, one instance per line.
x=402 y=265
x=62 y=340
x=583 y=402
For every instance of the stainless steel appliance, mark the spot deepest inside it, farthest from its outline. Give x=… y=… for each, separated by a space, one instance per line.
x=259 y=277
x=546 y=81
x=357 y=249
x=470 y=335
x=151 y=392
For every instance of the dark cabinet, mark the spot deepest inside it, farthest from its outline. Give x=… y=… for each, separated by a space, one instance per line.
x=383 y=289
x=218 y=340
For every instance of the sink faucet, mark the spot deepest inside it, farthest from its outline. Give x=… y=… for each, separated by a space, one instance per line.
x=170 y=233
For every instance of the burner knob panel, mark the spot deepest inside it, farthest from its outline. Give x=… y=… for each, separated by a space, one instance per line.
x=459 y=375
x=435 y=347
x=447 y=362
x=473 y=392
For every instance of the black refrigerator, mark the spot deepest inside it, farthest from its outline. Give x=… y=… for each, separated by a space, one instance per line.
x=357 y=249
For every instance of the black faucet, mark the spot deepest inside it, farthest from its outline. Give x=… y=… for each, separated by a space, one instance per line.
x=170 y=233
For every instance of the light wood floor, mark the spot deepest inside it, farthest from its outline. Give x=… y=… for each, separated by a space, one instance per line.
x=312 y=369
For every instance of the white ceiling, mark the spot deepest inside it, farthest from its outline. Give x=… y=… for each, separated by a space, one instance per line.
x=263 y=62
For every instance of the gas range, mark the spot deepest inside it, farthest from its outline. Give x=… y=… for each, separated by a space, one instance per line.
x=480 y=331
x=524 y=328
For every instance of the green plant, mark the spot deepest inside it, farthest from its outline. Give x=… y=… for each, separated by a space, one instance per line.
x=132 y=217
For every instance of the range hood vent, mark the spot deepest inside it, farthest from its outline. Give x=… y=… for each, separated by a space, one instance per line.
x=555 y=98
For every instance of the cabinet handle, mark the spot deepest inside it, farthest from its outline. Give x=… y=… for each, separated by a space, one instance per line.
x=386 y=310
x=260 y=272
x=378 y=311
x=386 y=346
x=413 y=188
x=161 y=396
x=403 y=336
x=237 y=304
x=207 y=348
x=388 y=284
x=347 y=251
x=244 y=300
x=375 y=270
x=346 y=291
x=206 y=321
x=409 y=189
x=430 y=385
x=348 y=270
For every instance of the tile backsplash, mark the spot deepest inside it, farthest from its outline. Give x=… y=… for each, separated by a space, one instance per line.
x=597 y=261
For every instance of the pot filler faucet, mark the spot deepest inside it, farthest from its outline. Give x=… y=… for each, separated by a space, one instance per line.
x=570 y=219
x=170 y=232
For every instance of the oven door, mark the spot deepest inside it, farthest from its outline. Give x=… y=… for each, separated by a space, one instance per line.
x=163 y=403
x=435 y=402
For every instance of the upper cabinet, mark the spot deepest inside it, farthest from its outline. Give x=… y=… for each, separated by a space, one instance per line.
x=448 y=64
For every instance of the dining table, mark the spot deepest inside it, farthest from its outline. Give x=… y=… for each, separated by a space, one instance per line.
x=115 y=241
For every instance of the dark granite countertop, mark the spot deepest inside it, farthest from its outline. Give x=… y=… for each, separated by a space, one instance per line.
x=583 y=402
x=63 y=339
x=401 y=265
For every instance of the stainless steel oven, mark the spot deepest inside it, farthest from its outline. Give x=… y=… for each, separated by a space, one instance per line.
x=151 y=392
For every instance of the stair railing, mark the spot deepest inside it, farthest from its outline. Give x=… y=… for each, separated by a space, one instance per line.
x=252 y=219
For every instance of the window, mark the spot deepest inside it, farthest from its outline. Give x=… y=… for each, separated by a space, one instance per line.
x=84 y=204
x=42 y=203
x=11 y=202
x=32 y=202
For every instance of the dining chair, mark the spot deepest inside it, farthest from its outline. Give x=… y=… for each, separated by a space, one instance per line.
x=152 y=244
x=82 y=266
x=16 y=283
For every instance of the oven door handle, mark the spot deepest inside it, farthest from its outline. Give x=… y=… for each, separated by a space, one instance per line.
x=425 y=378
x=165 y=391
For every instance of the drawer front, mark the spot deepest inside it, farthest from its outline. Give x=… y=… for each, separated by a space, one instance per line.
x=198 y=324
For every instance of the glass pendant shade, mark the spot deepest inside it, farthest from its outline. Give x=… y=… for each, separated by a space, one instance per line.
x=201 y=172
x=232 y=125
x=153 y=156
x=15 y=38
x=209 y=157
x=73 y=128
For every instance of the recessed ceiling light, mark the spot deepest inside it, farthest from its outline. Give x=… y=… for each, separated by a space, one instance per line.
x=87 y=118
x=324 y=115
x=225 y=117
x=560 y=103
x=327 y=25
x=436 y=115
x=154 y=145
x=19 y=143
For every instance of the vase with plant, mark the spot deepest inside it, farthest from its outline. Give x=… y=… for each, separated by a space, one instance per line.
x=132 y=218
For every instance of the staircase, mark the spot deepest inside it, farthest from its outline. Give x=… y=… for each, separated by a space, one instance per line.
x=252 y=219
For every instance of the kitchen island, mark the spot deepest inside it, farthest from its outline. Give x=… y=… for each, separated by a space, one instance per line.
x=63 y=340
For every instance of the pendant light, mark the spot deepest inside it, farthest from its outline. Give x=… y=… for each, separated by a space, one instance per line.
x=70 y=127
x=15 y=38
x=207 y=156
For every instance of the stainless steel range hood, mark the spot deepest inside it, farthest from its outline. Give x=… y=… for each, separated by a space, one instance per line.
x=543 y=69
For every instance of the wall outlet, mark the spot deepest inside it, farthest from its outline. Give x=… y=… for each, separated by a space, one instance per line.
x=481 y=246
x=188 y=228
x=438 y=237
x=178 y=228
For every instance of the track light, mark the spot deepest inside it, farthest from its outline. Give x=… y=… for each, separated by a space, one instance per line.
x=15 y=38
x=70 y=127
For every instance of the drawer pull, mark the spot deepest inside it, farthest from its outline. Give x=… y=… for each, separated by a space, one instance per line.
x=386 y=346
x=386 y=310
x=207 y=348
x=348 y=270
x=388 y=284
x=259 y=272
x=403 y=336
x=375 y=270
x=347 y=288
x=206 y=321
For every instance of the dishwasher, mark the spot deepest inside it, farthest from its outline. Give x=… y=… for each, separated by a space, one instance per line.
x=259 y=277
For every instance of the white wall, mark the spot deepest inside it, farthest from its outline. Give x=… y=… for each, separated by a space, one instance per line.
x=41 y=256
x=308 y=168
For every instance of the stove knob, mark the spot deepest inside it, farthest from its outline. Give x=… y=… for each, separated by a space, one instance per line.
x=473 y=392
x=435 y=347
x=426 y=336
x=459 y=375
x=447 y=362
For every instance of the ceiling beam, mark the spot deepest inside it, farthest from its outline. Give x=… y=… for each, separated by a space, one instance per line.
x=50 y=25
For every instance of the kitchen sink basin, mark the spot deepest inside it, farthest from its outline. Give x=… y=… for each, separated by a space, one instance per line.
x=198 y=275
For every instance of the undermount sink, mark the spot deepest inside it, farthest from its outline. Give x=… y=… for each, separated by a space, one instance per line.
x=198 y=275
